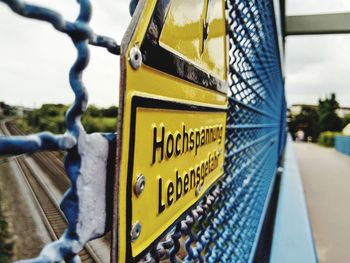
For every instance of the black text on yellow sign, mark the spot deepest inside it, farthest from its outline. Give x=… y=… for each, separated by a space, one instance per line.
x=167 y=145
x=180 y=151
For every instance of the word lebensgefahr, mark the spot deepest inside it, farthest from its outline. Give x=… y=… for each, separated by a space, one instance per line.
x=186 y=182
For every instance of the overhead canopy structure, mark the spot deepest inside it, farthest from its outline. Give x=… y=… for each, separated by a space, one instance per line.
x=338 y=23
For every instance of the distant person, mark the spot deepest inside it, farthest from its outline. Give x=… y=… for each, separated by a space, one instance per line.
x=300 y=136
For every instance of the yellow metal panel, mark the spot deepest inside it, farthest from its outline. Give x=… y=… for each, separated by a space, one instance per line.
x=185 y=27
x=191 y=104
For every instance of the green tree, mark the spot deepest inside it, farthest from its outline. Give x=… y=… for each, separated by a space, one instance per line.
x=8 y=110
x=328 y=118
x=307 y=121
x=51 y=110
x=93 y=111
x=50 y=117
x=111 y=112
x=346 y=120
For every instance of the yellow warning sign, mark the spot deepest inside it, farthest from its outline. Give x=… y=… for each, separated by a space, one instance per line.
x=172 y=118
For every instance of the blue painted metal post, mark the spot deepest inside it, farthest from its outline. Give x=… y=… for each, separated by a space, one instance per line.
x=342 y=144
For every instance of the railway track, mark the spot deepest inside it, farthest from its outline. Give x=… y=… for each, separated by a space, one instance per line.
x=50 y=212
x=50 y=162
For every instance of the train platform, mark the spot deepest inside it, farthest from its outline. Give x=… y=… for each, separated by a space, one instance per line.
x=326 y=180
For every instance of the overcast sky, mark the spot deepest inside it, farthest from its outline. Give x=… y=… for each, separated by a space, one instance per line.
x=317 y=65
x=35 y=59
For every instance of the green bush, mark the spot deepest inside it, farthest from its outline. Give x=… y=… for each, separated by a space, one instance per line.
x=101 y=124
x=50 y=117
x=327 y=138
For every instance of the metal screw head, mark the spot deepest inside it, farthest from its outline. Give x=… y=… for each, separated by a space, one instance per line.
x=135 y=57
x=135 y=231
x=140 y=184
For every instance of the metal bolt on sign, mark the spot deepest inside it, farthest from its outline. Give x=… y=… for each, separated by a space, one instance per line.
x=135 y=57
x=140 y=184
x=135 y=231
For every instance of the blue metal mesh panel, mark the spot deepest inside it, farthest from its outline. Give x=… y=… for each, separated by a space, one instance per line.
x=225 y=226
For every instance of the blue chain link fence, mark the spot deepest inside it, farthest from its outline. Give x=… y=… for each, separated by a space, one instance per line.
x=227 y=224
x=342 y=144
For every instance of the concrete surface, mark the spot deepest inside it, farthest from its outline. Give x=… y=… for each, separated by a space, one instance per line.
x=326 y=179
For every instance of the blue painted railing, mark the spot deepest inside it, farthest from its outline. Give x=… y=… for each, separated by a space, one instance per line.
x=292 y=236
x=342 y=144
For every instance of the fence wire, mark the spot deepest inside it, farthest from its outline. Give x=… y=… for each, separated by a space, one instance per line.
x=225 y=226
x=75 y=141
